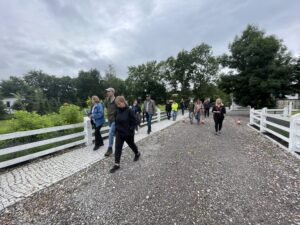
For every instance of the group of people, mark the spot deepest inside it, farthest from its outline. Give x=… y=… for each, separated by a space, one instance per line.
x=197 y=110
x=123 y=122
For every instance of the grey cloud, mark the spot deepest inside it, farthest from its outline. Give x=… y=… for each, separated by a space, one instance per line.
x=63 y=36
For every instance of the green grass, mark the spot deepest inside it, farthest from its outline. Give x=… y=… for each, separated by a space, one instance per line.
x=295 y=112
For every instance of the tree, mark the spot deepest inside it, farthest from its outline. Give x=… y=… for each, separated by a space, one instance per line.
x=88 y=83
x=111 y=80
x=14 y=85
x=263 y=68
x=145 y=79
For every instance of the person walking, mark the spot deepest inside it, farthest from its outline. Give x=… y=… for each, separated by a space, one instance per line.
x=149 y=109
x=111 y=109
x=174 y=110
x=125 y=120
x=191 y=108
x=198 y=110
x=218 y=112
x=137 y=112
x=206 y=105
x=182 y=106
x=168 y=109
x=97 y=116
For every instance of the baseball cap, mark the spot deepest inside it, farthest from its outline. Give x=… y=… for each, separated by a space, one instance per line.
x=110 y=89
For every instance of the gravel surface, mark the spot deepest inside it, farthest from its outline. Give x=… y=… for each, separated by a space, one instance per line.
x=186 y=175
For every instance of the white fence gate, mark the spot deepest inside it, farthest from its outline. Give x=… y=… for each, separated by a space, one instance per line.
x=280 y=123
x=86 y=134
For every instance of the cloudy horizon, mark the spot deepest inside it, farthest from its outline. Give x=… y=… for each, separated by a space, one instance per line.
x=62 y=37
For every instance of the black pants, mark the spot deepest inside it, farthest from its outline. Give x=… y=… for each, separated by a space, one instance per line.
x=218 y=124
x=169 y=114
x=119 y=145
x=182 y=110
x=206 y=112
x=98 y=137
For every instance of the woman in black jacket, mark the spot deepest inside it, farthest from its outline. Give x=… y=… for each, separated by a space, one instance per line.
x=125 y=126
x=218 y=111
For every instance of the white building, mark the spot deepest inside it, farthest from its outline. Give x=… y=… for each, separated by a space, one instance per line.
x=9 y=102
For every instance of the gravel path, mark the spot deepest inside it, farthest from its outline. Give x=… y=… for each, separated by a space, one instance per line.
x=186 y=175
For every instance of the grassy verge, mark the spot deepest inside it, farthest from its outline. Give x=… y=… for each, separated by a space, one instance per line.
x=4 y=126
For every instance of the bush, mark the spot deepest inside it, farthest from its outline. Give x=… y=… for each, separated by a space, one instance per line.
x=70 y=113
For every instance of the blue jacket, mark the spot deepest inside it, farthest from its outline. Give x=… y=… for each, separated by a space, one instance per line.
x=98 y=115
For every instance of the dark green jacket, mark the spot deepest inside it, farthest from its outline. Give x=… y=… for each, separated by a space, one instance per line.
x=111 y=109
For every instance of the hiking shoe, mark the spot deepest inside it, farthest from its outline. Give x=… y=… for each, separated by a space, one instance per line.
x=136 y=157
x=96 y=147
x=115 y=168
x=109 y=152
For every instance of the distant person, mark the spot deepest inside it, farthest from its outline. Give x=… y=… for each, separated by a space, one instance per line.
x=182 y=106
x=149 y=109
x=191 y=108
x=206 y=107
x=137 y=112
x=97 y=116
x=125 y=125
x=218 y=112
x=111 y=109
x=198 y=110
x=168 y=109
x=174 y=109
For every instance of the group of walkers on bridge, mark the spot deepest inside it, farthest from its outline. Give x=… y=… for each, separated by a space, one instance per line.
x=197 y=110
x=124 y=120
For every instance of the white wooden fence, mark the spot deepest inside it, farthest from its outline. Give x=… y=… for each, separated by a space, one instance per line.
x=280 y=123
x=86 y=134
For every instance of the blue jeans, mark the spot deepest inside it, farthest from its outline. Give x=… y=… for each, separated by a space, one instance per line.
x=111 y=134
x=149 y=119
x=198 y=116
x=174 y=115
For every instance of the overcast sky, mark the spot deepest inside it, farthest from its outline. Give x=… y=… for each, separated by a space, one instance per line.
x=62 y=37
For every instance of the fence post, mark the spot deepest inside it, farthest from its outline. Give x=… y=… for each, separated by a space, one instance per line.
x=263 y=119
x=158 y=115
x=285 y=111
x=290 y=108
x=251 y=116
x=294 y=139
x=88 y=135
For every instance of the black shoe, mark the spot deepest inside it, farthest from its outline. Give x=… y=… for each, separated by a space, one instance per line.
x=148 y=132
x=114 y=169
x=96 y=147
x=109 y=152
x=136 y=157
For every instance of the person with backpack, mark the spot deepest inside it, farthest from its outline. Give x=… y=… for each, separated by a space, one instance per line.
x=97 y=116
x=125 y=120
x=218 y=111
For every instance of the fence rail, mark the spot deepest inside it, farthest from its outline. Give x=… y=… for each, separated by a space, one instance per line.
x=279 y=123
x=86 y=134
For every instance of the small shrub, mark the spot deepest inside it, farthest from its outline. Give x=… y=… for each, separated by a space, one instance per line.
x=70 y=113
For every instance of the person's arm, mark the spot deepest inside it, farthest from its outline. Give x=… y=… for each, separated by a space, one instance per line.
x=132 y=120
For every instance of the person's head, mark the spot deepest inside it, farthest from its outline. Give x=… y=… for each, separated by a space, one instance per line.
x=174 y=101
x=110 y=92
x=198 y=101
x=95 y=99
x=167 y=101
x=191 y=101
x=120 y=102
x=135 y=102
x=147 y=97
x=218 y=101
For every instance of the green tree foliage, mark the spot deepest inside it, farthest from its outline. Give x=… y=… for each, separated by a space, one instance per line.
x=263 y=68
x=88 y=83
x=2 y=110
x=111 y=80
x=191 y=73
x=14 y=85
x=145 y=79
